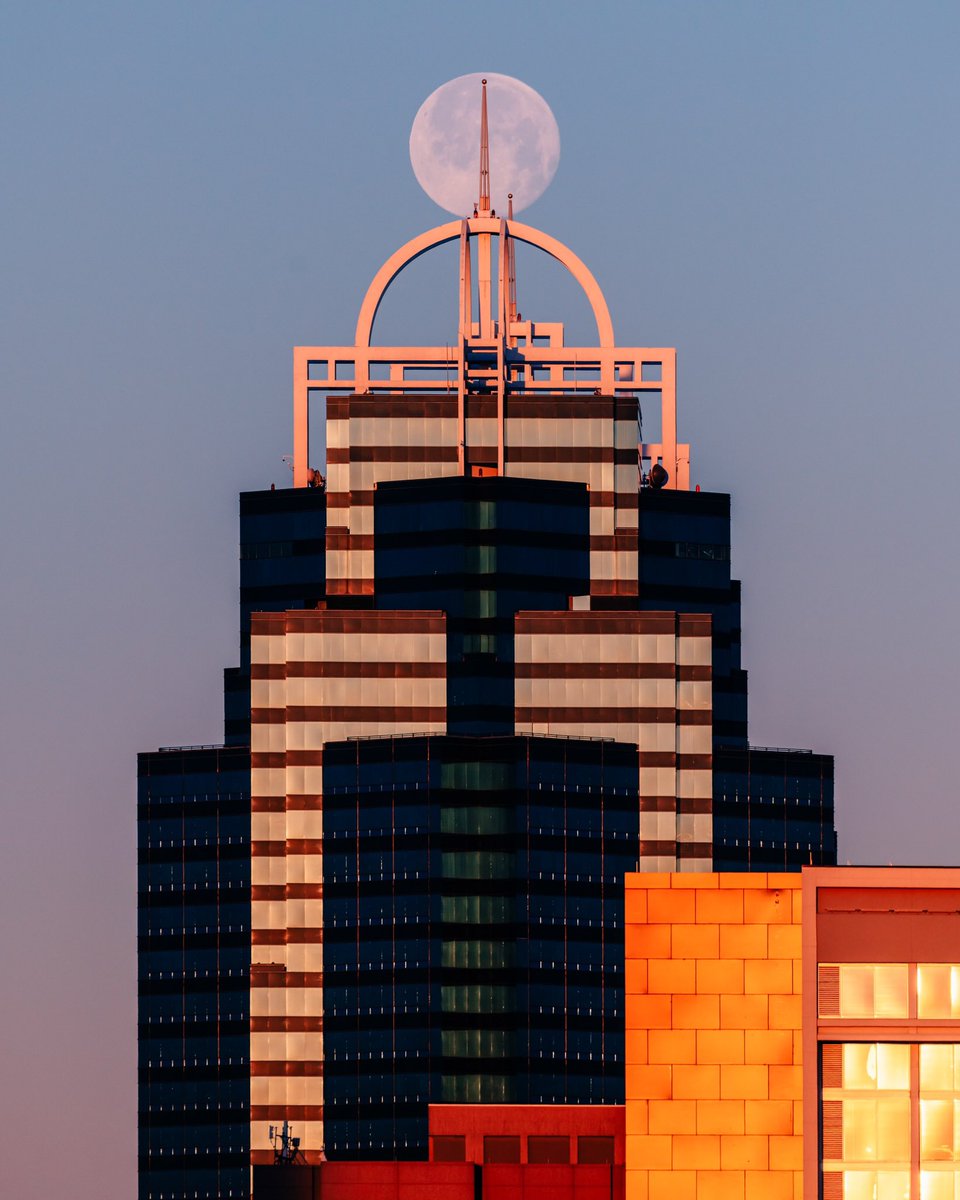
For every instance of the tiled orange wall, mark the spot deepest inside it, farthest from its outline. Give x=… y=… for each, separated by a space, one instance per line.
x=713 y=1066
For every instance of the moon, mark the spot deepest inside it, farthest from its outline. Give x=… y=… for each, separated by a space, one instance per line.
x=445 y=143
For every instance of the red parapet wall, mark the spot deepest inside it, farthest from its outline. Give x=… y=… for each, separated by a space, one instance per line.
x=439 y=1181
x=396 y=1181
x=366 y=1181
x=476 y=1122
x=528 y=1182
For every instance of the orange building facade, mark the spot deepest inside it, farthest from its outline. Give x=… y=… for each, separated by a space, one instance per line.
x=793 y=1038
x=714 y=1047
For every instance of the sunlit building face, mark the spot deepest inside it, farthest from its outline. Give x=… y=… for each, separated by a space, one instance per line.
x=747 y=996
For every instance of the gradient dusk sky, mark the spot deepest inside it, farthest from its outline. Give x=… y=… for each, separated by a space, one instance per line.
x=191 y=189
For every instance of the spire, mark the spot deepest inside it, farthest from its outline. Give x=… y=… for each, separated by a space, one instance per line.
x=483 y=205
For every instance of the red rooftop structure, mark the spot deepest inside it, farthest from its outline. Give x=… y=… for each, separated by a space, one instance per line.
x=480 y=1152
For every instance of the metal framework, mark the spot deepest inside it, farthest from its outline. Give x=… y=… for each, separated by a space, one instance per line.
x=496 y=352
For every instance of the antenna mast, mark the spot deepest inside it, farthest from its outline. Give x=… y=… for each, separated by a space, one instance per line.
x=483 y=205
x=286 y=1148
x=484 y=210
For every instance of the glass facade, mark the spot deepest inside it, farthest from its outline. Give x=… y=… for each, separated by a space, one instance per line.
x=194 y=893
x=772 y=810
x=481 y=550
x=473 y=948
x=889 y=1110
x=684 y=566
x=282 y=565
x=193 y=940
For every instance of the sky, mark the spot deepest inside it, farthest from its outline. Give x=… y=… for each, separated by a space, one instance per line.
x=189 y=190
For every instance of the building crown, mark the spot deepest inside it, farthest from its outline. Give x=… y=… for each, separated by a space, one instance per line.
x=496 y=352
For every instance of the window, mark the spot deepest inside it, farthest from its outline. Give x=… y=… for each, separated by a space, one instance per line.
x=475 y=1043
x=939 y=1185
x=475 y=910
x=595 y=1149
x=876 y=1130
x=258 y=550
x=548 y=1149
x=476 y=954
x=939 y=1094
x=482 y=515
x=474 y=821
x=940 y=1068
x=476 y=864
x=863 y=990
x=873 y=1066
x=501 y=1149
x=449 y=1149
x=476 y=1089
x=481 y=560
x=476 y=776
x=879 y=991
x=479 y=643
x=713 y=551
x=873 y=1095
x=938 y=991
x=476 y=998
x=938 y=1122
x=480 y=604
x=865 y=1120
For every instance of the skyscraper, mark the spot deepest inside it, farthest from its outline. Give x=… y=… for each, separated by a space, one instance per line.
x=489 y=664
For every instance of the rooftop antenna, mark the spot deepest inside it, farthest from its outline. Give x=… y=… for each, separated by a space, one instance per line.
x=483 y=205
x=286 y=1149
x=484 y=210
x=315 y=478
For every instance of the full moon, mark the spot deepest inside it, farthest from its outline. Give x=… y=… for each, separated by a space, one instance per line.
x=445 y=143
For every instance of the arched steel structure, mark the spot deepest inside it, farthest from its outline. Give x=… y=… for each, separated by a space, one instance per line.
x=475 y=227
x=495 y=353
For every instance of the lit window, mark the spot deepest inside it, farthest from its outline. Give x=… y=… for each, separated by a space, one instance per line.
x=938 y=1185
x=865 y=1120
x=876 y=1185
x=876 y=1130
x=940 y=1068
x=870 y=1066
x=938 y=991
x=938 y=1123
x=863 y=991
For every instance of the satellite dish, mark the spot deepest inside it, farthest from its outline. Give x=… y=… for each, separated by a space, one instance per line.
x=658 y=476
